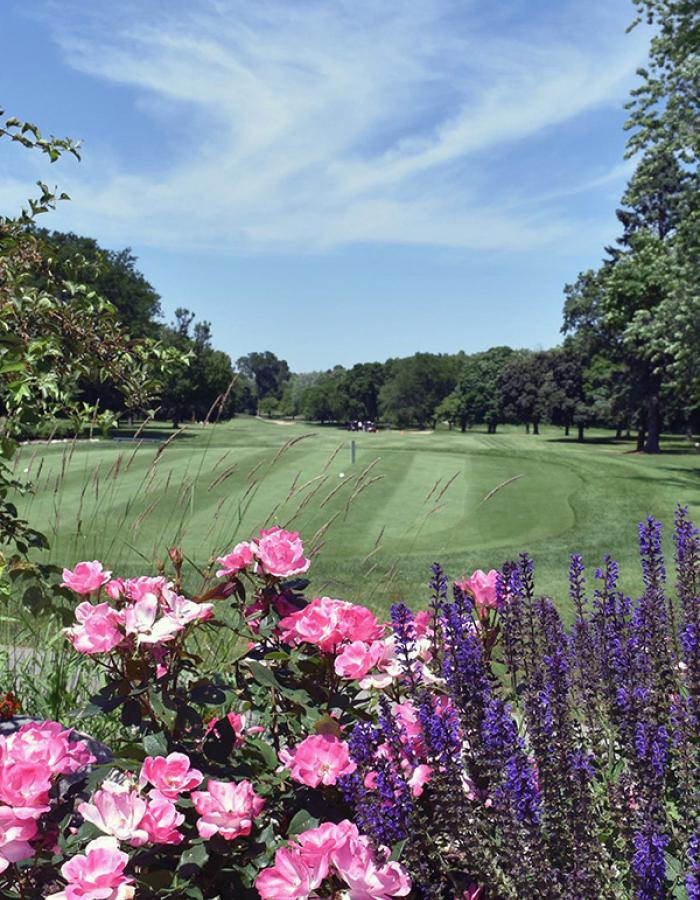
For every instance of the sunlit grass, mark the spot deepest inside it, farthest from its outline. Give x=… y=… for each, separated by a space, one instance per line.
x=373 y=528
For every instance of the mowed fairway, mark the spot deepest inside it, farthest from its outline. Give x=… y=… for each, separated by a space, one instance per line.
x=377 y=525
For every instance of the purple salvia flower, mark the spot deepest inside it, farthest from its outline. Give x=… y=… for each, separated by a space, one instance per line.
x=687 y=554
x=520 y=788
x=582 y=763
x=440 y=731
x=649 y=864
x=463 y=668
x=651 y=745
x=692 y=878
x=510 y=613
x=395 y=803
x=438 y=585
x=651 y=553
x=577 y=583
x=499 y=731
x=363 y=743
x=403 y=625
x=393 y=733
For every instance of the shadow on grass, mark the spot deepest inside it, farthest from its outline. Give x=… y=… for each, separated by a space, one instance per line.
x=690 y=486
x=156 y=435
x=589 y=441
x=673 y=445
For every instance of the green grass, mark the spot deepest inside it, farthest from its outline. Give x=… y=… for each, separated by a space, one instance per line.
x=375 y=533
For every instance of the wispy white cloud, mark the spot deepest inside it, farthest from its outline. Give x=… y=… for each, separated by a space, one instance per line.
x=315 y=124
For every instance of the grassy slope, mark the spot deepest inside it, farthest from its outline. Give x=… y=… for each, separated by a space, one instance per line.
x=111 y=500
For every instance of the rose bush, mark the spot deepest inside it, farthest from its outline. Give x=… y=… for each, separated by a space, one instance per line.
x=476 y=748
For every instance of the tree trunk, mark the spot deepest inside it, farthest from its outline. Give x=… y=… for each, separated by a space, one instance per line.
x=653 y=425
x=641 y=437
x=618 y=434
x=527 y=428
x=566 y=430
x=580 y=437
x=535 y=427
x=463 y=425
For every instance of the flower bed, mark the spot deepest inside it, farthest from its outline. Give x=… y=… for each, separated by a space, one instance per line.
x=475 y=748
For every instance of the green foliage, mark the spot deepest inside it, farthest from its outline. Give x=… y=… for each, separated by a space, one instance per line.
x=414 y=388
x=202 y=386
x=266 y=371
x=55 y=334
x=524 y=387
x=111 y=274
x=324 y=400
x=665 y=107
x=642 y=308
x=477 y=393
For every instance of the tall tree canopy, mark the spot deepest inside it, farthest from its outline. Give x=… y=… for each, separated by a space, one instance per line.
x=269 y=373
x=204 y=387
x=415 y=386
x=110 y=273
x=477 y=395
x=642 y=307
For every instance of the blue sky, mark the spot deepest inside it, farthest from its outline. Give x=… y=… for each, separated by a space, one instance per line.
x=335 y=180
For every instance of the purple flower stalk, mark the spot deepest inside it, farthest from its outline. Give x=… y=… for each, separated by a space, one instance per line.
x=649 y=864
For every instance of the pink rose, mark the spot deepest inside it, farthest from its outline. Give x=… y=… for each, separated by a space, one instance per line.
x=227 y=809
x=290 y=878
x=118 y=810
x=407 y=715
x=318 y=759
x=137 y=588
x=482 y=587
x=15 y=834
x=49 y=744
x=300 y=868
x=98 y=873
x=97 y=629
x=281 y=553
x=25 y=787
x=86 y=577
x=358 y=658
x=162 y=820
x=172 y=775
x=422 y=622
x=141 y=619
x=317 y=844
x=185 y=611
x=318 y=623
x=115 y=588
x=357 y=866
x=420 y=776
x=238 y=559
x=327 y=623
x=360 y=623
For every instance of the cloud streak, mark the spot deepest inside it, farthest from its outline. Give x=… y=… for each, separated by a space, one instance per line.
x=318 y=124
